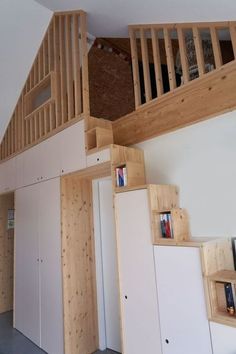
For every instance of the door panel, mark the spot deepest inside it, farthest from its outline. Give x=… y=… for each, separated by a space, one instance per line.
x=183 y=317
x=50 y=267
x=109 y=266
x=27 y=317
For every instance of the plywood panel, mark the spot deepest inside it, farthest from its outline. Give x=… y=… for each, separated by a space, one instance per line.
x=80 y=308
x=6 y=254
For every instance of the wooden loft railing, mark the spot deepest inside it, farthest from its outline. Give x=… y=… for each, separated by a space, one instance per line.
x=189 y=51
x=56 y=92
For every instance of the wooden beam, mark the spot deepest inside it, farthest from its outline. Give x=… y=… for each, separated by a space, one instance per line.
x=135 y=67
x=199 y=51
x=196 y=101
x=216 y=47
x=169 y=58
x=157 y=62
x=145 y=63
x=183 y=54
x=76 y=66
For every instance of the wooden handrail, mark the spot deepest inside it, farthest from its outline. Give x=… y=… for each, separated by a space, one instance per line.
x=190 y=50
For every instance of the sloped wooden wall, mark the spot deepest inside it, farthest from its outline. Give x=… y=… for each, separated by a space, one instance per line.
x=52 y=97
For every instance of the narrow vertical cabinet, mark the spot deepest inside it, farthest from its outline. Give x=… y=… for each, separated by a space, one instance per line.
x=38 y=281
x=139 y=307
x=182 y=306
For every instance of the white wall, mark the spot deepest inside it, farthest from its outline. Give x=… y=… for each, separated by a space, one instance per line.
x=22 y=26
x=201 y=160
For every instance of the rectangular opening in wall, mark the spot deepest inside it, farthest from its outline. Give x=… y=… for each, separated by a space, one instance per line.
x=39 y=95
x=225 y=45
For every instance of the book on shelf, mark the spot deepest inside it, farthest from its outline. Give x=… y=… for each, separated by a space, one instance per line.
x=121 y=176
x=230 y=298
x=166 y=225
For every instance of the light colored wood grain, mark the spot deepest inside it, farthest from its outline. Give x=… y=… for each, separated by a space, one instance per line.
x=85 y=72
x=199 y=50
x=183 y=54
x=201 y=99
x=69 y=68
x=6 y=254
x=77 y=65
x=169 y=58
x=135 y=66
x=145 y=63
x=80 y=308
x=216 y=47
x=157 y=62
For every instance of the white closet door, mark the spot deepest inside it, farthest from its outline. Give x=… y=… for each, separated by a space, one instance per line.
x=183 y=317
x=140 y=320
x=109 y=266
x=27 y=318
x=50 y=267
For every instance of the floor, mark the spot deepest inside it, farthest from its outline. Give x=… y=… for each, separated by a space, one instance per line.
x=13 y=342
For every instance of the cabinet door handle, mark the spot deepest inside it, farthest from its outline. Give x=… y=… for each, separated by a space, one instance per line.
x=167 y=341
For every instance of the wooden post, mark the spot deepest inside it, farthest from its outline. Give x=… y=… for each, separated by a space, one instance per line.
x=85 y=71
x=169 y=58
x=145 y=62
x=76 y=65
x=199 y=51
x=183 y=54
x=157 y=62
x=135 y=67
x=216 y=47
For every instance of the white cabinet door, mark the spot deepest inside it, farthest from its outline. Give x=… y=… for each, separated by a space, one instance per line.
x=8 y=182
x=50 y=159
x=32 y=165
x=50 y=267
x=27 y=317
x=140 y=319
x=72 y=147
x=183 y=317
x=223 y=338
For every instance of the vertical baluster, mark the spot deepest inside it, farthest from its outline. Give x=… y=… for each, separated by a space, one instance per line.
x=85 y=73
x=62 y=68
x=233 y=37
x=146 y=70
x=216 y=47
x=69 y=78
x=199 y=51
x=169 y=58
x=56 y=50
x=157 y=62
x=183 y=54
x=135 y=67
x=76 y=66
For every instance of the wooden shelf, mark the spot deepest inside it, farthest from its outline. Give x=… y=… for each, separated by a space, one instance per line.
x=226 y=276
x=98 y=137
x=131 y=159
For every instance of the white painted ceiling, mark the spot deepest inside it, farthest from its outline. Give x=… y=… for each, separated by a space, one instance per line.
x=24 y=22
x=109 y=18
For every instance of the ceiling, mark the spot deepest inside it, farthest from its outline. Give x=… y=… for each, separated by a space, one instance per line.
x=109 y=18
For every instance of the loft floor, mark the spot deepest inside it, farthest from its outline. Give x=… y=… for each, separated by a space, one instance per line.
x=13 y=342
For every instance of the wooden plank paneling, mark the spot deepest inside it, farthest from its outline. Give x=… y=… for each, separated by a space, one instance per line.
x=79 y=289
x=6 y=254
x=169 y=58
x=199 y=100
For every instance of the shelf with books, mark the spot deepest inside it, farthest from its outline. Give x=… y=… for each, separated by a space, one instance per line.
x=171 y=226
x=221 y=287
x=127 y=167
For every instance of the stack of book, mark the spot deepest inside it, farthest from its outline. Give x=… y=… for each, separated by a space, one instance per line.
x=121 y=176
x=166 y=225
x=230 y=298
